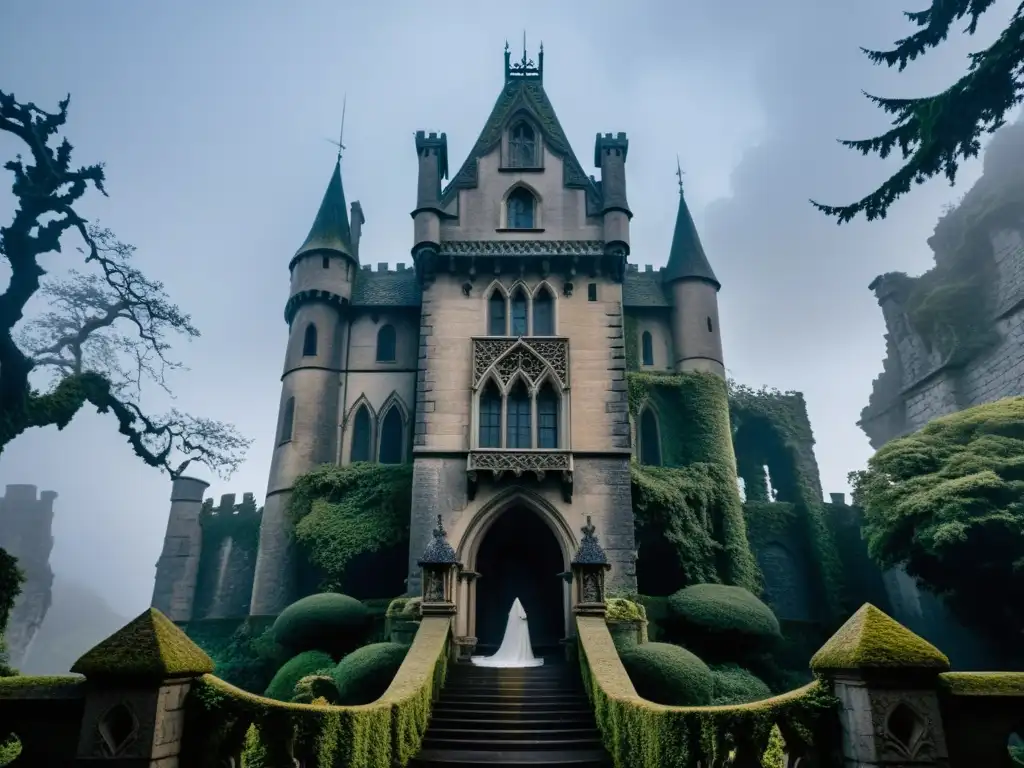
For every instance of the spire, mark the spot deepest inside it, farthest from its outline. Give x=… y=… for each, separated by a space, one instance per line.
x=687 y=259
x=330 y=230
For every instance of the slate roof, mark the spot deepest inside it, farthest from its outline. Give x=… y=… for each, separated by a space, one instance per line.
x=386 y=289
x=644 y=289
x=687 y=258
x=330 y=230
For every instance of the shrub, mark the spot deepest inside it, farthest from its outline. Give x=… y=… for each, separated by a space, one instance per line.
x=329 y=622
x=721 y=622
x=735 y=685
x=621 y=609
x=316 y=687
x=669 y=674
x=282 y=687
x=364 y=675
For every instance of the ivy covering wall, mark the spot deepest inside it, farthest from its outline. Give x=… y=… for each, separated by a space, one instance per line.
x=689 y=515
x=11 y=579
x=352 y=524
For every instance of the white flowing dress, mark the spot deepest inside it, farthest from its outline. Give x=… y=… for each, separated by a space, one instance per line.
x=515 y=650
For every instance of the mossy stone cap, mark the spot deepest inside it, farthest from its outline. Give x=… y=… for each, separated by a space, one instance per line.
x=149 y=647
x=870 y=639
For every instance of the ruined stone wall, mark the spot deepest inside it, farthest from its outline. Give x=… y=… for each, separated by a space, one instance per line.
x=26 y=524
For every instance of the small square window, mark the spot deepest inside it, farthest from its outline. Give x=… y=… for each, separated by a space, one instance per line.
x=591 y=291
x=327 y=262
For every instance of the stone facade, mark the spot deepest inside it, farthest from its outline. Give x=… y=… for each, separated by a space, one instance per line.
x=26 y=523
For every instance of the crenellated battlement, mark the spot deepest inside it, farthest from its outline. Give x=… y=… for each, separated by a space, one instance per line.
x=382 y=268
x=649 y=268
x=245 y=510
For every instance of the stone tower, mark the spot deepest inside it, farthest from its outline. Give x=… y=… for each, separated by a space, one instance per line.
x=312 y=385
x=694 y=289
x=26 y=532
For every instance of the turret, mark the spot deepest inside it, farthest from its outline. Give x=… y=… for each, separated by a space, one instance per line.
x=322 y=273
x=177 y=570
x=610 y=156
x=696 y=335
x=432 y=151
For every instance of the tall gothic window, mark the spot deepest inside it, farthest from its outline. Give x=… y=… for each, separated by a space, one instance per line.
x=522 y=147
x=519 y=309
x=650 y=445
x=496 y=315
x=519 y=428
x=386 y=344
x=361 y=435
x=543 y=313
x=647 y=345
x=309 y=341
x=391 y=437
x=287 y=421
x=490 y=417
x=547 y=417
x=521 y=208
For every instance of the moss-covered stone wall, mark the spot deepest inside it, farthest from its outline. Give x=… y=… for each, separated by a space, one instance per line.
x=227 y=563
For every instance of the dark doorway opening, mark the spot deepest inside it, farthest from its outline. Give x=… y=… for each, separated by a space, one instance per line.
x=520 y=557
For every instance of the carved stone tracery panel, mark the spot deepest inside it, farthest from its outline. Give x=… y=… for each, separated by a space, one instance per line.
x=508 y=357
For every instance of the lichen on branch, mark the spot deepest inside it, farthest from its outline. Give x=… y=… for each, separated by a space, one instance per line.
x=106 y=331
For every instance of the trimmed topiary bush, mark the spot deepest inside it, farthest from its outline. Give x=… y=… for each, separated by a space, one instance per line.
x=329 y=622
x=668 y=674
x=282 y=687
x=314 y=688
x=364 y=675
x=735 y=685
x=721 y=622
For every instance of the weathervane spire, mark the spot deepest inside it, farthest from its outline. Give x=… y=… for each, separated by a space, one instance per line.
x=341 y=133
x=679 y=174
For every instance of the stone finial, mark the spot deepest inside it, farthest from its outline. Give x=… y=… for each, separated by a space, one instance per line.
x=872 y=640
x=150 y=647
x=438 y=551
x=590 y=551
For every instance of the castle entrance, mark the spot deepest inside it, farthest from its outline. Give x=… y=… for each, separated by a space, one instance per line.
x=520 y=557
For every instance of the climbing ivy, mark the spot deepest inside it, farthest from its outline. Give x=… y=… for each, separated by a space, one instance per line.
x=11 y=579
x=629 y=330
x=692 y=503
x=771 y=429
x=341 y=513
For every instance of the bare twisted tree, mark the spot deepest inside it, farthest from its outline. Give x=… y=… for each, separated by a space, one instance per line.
x=106 y=332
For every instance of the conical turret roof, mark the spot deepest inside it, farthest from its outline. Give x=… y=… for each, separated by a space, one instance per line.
x=330 y=230
x=687 y=260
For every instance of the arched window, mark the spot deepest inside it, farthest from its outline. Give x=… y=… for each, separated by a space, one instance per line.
x=519 y=309
x=519 y=427
x=287 y=421
x=496 y=314
x=361 y=435
x=522 y=146
x=647 y=348
x=309 y=341
x=543 y=313
x=386 y=344
x=490 y=417
x=521 y=205
x=547 y=417
x=391 y=437
x=650 y=445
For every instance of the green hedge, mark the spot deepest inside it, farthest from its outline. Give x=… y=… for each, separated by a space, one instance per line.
x=668 y=674
x=389 y=731
x=642 y=734
x=365 y=674
x=282 y=687
x=329 y=622
x=735 y=685
x=721 y=622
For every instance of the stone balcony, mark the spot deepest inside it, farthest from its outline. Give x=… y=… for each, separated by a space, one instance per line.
x=499 y=462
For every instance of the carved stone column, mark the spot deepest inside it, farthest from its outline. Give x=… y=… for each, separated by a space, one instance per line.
x=465 y=640
x=137 y=679
x=588 y=571
x=440 y=571
x=886 y=678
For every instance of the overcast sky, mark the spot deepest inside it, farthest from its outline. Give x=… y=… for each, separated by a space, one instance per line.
x=213 y=121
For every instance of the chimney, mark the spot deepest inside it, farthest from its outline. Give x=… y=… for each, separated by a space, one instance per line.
x=356 y=227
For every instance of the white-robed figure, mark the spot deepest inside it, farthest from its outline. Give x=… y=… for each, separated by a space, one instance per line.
x=515 y=650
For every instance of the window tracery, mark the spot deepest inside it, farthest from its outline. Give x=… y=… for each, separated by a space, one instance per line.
x=521 y=312
x=522 y=146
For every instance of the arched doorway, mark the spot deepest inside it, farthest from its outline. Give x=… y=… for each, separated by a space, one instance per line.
x=520 y=557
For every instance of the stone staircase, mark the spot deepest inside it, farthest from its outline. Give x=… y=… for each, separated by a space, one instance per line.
x=513 y=717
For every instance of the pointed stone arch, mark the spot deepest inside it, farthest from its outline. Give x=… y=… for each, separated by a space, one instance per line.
x=495 y=289
x=648 y=435
x=521 y=188
x=393 y=403
x=350 y=429
x=522 y=357
x=540 y=290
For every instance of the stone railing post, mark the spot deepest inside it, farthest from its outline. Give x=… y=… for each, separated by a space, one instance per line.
x=588 y=570
x=440 y=573
x=886 y=679
x=136 y=683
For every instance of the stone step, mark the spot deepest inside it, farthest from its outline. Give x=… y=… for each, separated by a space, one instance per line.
x=481 y=721
x=474 y=688
x=509 y=713
x=499 y=732
x=470 y=741
x=435 y=758
x=513 y=701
